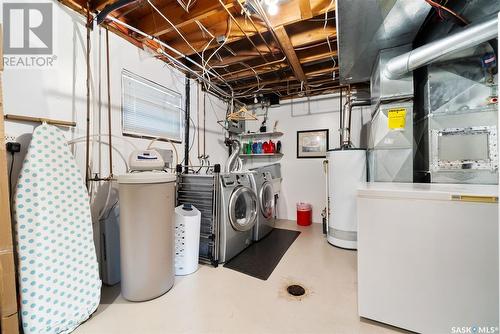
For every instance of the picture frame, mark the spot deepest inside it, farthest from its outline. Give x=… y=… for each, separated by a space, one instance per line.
x=312 y=143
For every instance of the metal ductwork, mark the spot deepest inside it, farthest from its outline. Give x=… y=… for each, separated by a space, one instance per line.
x=424 y=55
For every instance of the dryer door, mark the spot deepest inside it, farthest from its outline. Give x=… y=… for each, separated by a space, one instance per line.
x=242 y=208
x=266 y=199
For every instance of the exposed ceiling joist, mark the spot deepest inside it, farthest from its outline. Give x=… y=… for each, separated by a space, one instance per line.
x=156 y=25
x=317 y=56
x=290 y=54
x=305 y=9
x=254 y=72
x=300 y=50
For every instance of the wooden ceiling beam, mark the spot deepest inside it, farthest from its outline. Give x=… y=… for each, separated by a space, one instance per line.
x=199 y=41
x=250 y=54
x=240 y=57
x=290 y=84
x=310 y=75
x=278 y=63
x=229 y=77
x=304 y=57
x=154 y=24
x=287 y=81
x=267 y=82
x=264 y=69
x=318 y=56
x=312 y=32
x=298 y=88
x=321 y=71
x=290 y=54
x=305 y=9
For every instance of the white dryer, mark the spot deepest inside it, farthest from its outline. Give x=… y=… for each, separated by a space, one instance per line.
x=265 y=194
x=238 y=214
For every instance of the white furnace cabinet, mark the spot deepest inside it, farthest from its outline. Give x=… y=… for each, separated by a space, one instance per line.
x=428 y=256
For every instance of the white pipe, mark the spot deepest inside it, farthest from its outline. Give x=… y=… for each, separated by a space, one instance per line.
x=426 y=54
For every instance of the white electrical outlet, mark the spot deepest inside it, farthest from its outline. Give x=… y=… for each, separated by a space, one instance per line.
x=9 y=138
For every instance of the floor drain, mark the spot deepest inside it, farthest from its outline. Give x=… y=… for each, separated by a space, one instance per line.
x=295 y=290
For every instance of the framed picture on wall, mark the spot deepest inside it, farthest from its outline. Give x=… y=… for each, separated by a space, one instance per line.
x=312 y=143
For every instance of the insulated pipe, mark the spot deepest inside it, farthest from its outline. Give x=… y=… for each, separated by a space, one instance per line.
x=361 y=103
x=109 y=106
x=426 y=54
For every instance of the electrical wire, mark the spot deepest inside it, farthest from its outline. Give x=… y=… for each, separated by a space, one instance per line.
x=449 y=11
x=215 y=88
x=184 y=38
x=205 y=64
x=171 y=143
x=326 y=13
x=173 y=26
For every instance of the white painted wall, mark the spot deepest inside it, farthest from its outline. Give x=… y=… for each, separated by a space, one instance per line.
x=304 y=179
x=60 y=93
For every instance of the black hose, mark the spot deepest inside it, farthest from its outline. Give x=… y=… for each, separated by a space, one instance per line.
x=111 y=8
x=186 y=122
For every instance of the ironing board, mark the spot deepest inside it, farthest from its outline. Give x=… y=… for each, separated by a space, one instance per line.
x=58 y=271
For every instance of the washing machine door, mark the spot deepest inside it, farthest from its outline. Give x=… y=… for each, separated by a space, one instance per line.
x=243 y=208
x=266 y=200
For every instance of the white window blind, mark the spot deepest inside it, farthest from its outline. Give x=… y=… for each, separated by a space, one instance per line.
x=150 y=110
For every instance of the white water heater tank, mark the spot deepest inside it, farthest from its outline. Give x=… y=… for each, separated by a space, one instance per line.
x=346 y=170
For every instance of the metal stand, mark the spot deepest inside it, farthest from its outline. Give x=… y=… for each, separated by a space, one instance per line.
x=202 y=191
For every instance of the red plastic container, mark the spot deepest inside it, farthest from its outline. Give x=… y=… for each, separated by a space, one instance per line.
x=304 y=214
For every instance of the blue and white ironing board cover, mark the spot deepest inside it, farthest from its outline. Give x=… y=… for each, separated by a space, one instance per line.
x=58 y=271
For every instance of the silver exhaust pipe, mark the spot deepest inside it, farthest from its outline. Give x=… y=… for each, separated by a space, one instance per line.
x=426 y=54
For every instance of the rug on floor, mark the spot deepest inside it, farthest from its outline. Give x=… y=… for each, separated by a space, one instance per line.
x=260 y=258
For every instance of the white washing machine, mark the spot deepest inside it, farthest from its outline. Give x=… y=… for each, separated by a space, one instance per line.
x=238 y=214
x=265 y=195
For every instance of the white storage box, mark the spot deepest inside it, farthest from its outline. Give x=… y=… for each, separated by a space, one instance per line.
x=187 y=239
x=428 y=255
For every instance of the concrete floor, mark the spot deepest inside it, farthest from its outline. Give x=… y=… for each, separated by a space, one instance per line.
x=220 y=300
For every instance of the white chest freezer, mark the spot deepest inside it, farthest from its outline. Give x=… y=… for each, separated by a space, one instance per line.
x=428 y=256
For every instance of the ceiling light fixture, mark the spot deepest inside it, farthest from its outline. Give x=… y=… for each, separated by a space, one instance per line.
x=272 y=7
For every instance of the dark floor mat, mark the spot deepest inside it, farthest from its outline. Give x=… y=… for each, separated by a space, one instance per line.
x=260 y=258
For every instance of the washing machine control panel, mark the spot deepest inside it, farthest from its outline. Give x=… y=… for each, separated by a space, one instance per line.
x=228 y=180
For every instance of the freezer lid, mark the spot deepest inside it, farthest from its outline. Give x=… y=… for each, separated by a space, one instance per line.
x=430 y=191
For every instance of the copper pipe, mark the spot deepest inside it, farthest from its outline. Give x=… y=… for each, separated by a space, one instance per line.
x=449 y=11
x=109 y=107
x=87 y=140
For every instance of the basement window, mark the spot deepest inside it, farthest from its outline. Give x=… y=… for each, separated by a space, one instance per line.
x=150 y=110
